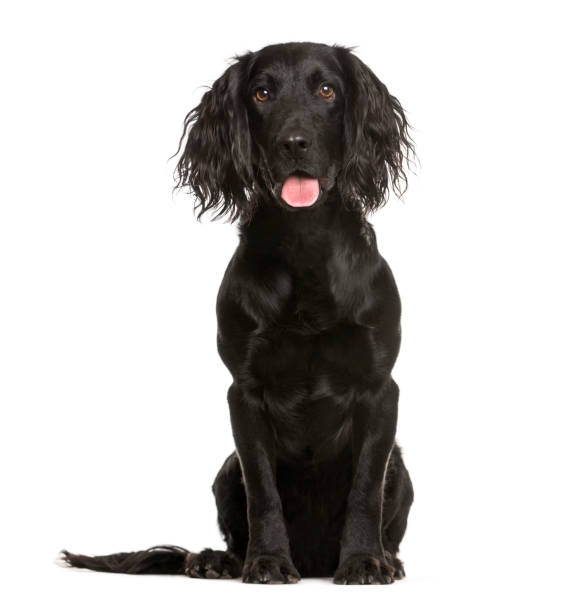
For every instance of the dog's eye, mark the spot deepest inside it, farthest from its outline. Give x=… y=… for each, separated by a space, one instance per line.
x=262 y=94
x=326 y=91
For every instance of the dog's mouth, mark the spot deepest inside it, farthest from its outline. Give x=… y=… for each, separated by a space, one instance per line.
x=300 y=190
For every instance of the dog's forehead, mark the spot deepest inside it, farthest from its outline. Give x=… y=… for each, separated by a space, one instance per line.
x=295 y=60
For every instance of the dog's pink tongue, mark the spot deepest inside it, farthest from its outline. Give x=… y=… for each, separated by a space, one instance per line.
x=300 y=191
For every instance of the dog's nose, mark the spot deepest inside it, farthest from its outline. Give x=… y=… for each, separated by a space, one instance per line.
x=295 y=145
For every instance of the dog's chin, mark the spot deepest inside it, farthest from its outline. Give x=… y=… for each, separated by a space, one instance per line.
x=301 y=191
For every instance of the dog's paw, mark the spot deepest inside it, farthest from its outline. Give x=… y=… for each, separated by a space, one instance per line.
x=399 y=571
x=270 y=569
x=213 y=564
x=364 y=569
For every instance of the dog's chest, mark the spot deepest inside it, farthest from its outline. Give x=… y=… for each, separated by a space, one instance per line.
x=310 y=382
x=312 y=347
x=318 y=290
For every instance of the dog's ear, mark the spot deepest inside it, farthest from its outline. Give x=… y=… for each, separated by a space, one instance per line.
x=377 y=143
x=215 y=162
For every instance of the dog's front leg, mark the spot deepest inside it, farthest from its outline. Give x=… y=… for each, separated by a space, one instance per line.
x=268 y=558
x=363 y=559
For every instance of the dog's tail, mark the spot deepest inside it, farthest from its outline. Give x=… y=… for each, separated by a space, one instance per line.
x=155 y=560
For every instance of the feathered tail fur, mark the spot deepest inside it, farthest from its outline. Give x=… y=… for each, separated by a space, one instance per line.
x=155 y=560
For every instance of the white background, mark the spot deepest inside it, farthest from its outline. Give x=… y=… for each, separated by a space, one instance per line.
x=114 y=419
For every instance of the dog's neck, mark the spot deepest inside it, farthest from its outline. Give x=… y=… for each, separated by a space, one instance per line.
x=319 y=259
x=272 y=228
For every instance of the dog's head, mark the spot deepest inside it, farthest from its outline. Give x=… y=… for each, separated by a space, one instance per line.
x=289 y=124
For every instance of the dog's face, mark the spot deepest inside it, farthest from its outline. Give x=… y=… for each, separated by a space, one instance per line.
x=295 y=105
x=287 y=126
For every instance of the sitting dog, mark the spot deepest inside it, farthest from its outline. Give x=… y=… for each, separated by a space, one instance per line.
x=299 y=142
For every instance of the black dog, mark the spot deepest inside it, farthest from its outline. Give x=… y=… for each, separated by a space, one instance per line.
x=299 y=142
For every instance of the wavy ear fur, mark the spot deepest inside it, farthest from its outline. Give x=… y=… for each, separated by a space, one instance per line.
x=377 y=143
x=216 y=161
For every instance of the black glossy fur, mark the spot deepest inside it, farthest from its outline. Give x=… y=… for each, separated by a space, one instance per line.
x=308 y=322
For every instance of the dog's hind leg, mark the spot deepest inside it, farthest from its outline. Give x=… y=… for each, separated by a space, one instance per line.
x=230 y=496
x=231 y=503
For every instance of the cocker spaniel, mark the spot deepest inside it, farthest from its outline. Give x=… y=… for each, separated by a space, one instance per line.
x=299 y=142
